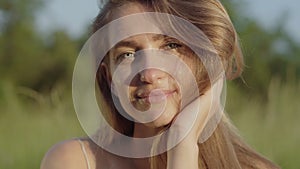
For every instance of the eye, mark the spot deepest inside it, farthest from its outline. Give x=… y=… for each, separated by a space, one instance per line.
x=173 y=45
x=126 y=56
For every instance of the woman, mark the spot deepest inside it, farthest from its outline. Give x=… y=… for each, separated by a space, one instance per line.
x=156 y=86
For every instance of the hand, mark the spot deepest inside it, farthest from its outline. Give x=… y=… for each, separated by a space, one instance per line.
x=191 y=121
x=189 y=125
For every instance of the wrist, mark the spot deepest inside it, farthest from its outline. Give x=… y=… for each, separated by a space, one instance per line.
x=189 y=144
x=184 y=155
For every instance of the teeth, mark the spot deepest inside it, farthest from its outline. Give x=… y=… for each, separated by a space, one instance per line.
x=141 y=101
x=139 y=93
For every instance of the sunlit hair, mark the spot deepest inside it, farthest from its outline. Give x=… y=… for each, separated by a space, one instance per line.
x=224 y=149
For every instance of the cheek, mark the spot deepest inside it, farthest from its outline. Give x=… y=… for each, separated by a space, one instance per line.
x=199 y=72
x=127 y=91
x=131 y=91
x=176 y=103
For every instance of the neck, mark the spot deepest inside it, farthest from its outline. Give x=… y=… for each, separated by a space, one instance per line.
x=143 y=163
x=143 y=131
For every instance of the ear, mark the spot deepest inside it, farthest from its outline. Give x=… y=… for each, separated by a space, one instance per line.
x=106 y=73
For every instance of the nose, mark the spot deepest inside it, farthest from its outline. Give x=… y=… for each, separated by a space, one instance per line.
x=149 y=59
x=151 y=75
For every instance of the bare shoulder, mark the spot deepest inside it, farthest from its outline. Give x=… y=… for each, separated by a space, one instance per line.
x=65 y=155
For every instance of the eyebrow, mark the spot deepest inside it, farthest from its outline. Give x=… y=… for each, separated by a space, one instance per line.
x=128 y=43
x=165 y=38
x=159 y=37
x=133 y=44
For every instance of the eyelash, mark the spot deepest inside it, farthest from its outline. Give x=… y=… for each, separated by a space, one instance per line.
x=123 y=56
x=175 y=45
x=168 y=46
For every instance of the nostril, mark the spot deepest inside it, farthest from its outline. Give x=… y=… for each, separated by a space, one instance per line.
x=151 y=75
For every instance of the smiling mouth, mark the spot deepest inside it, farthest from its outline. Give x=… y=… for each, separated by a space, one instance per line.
x=154 y=96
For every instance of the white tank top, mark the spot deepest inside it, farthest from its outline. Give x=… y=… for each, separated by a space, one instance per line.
x=85 y=154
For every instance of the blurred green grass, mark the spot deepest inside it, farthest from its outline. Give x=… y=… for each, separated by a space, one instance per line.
x=30 y=123
x=270 y=125
x=29 y=128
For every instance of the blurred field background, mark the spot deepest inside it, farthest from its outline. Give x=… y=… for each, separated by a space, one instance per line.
x=36 y=109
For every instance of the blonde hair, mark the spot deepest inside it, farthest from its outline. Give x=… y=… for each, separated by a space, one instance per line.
x=224 y=149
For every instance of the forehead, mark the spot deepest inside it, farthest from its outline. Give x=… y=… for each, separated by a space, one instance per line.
x=131 y=25
x=128 y=9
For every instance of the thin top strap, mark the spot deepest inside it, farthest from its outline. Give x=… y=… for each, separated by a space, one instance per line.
x=85 y=154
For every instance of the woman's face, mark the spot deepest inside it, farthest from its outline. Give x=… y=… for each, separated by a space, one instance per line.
x=151 y=86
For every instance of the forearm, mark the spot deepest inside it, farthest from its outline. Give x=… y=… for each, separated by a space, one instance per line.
x=184 y=155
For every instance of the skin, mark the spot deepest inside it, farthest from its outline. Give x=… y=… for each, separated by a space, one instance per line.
x=68 y=154
x=148 y=80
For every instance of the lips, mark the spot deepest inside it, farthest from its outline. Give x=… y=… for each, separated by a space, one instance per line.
x=153 y=96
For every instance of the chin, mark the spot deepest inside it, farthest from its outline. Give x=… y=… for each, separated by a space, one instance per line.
x=165 y=119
